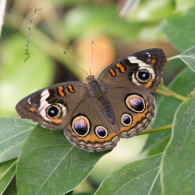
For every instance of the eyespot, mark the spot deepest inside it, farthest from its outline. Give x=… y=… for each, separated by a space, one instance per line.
x=81 y=125
x=143 y=75
x=101 y=132
x=135 y=103
x=126 y=119
x=53 y=111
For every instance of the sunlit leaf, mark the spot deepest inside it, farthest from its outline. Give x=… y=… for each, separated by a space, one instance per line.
x=135 y=178
x=178 y=167
x=49 y=164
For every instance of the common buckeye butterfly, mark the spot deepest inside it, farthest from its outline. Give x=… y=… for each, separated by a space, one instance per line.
x=96 y=114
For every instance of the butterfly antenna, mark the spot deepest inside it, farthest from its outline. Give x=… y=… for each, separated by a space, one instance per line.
x=92 y=48
x=75 y=63
x=30 y=31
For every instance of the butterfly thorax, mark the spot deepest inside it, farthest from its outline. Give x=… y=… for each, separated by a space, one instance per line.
x=97 y=91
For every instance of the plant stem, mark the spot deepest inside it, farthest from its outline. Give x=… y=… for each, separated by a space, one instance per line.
x=155 y=130
x=163 y=90
x=172 y=58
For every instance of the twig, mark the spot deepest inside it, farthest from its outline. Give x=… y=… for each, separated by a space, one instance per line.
x=155 y=130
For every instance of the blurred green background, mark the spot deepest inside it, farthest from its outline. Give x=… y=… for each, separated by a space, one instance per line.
x=117 y=29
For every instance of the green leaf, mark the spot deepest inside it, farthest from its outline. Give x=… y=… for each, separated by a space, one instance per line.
x=159 y=146
x=134 y=178
x=49 y=164
x=188 y=57
x=178 y=167
x=179 y=29
x=183 y=84
x=156 y=188
x=7 y=171
x=13 y=132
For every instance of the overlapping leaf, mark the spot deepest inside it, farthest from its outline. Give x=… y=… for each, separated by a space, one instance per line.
x=178 y=167
x=49 y=164
x=135 y=178
x=13 y=132
x=7 y=171
x=183 y=84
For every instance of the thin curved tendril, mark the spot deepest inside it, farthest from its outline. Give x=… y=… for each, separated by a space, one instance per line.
x=30 y=30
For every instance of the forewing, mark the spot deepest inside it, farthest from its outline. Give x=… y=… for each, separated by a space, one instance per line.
x=52 y=107
x=142 y=69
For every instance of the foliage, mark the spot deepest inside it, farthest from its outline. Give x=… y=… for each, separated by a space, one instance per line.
x=43 y=161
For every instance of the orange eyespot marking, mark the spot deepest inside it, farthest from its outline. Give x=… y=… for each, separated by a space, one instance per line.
x=60 y=91
x=112 y=72
x=120 y=67
x=94 y=138
x=70 y=89
x=149 y=83
x=137 y=118
x=55 y=120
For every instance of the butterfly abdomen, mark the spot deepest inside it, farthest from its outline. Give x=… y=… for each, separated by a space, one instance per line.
x=96 y=92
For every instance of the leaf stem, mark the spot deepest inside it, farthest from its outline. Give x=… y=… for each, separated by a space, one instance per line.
x=172 y=58
x=155 y=130
x=163 y=90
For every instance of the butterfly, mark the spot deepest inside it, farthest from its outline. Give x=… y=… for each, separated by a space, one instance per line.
x=96 y=114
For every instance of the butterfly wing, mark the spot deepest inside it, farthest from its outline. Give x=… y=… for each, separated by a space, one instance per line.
x=68 y=106
x=133 y=110
x=128 y=83
x=52 y=107
x=142 y=69
x=90 y=127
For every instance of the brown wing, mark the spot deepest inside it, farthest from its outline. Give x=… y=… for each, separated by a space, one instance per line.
x=52 y=107
x=133 y=110
x=142 y=69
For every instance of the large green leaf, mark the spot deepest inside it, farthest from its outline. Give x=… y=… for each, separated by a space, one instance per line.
x=179 y=29
x=135 y=178
x=183 y=84
x=49 y=164
x=7 y=171
x=178 y=167
x=13 y=132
